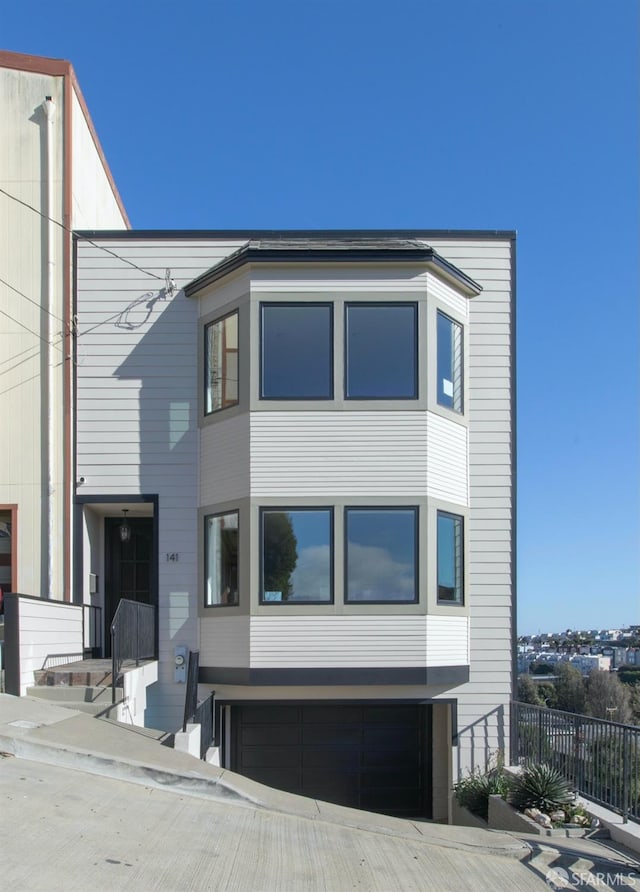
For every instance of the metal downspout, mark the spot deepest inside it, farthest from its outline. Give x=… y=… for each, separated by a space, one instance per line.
x=49 y=108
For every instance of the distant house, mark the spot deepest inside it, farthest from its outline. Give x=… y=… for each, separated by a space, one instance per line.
x=298 y=447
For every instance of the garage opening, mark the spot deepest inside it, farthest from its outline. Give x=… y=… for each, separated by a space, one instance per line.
x=374 y=757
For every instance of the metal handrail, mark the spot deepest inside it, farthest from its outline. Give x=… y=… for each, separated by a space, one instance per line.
x=133 y=637
x=194 y=712
x=600 y=759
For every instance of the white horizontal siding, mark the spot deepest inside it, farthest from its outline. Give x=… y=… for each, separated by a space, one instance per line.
x=372 y=454
x=447 y=476
x=357 y=641
x=483 y=703
x=322 y=278
x=224 y=460
x=224 y=641
x=447 y=640
x=47 y=628
x=447 y=295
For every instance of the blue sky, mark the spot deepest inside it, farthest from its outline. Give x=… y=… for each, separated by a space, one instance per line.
x=488 y=114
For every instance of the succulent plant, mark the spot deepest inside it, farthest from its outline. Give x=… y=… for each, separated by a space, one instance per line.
x=540 y=786
x=473 y=791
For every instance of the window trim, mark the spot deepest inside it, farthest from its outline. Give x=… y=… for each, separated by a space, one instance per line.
x=207 y=517
x=459 y=413
x=416 y=348
x=283 y=509
x=205 y=364
x=443 y=602
x=296 y=303
x=415 y=509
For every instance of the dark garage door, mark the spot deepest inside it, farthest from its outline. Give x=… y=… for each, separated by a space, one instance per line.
x=376 y=758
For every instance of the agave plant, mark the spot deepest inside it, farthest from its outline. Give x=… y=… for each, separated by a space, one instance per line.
x=540 y=786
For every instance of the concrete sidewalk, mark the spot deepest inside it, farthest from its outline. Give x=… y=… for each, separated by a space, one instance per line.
x=87 y=803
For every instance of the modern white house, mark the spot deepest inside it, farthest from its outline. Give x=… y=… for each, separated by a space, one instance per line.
x=53 y=179
x=297 y=448
x=311 y=438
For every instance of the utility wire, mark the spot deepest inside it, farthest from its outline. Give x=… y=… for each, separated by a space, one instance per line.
x=30 y=330
x=67 y=229
x=32 y=301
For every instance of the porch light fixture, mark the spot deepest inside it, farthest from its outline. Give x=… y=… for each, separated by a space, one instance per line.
x=125 y=529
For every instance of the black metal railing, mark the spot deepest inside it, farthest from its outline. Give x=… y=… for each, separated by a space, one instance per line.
x=133 y=637
x=92 y=626
x=600 y=759
x=194 y=712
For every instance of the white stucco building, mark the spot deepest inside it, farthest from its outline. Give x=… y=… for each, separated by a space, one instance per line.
x=53 y=179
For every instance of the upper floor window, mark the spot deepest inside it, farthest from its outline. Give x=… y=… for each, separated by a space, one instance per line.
x=449 y=372
x=221 y=559
x=450 y=558
x=296 y=351
x=221 y=364
x=381 y=351
x=297 y=556
x=381 y=554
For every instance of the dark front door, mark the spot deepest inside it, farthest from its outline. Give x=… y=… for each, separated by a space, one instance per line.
x=128 y=567
x=374 y=757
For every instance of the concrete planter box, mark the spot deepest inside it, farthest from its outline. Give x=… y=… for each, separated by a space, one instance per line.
x=462 y=817
x=503 y=816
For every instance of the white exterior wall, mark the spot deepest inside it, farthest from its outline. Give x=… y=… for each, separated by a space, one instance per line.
x=483 y=703
x=137 y=417
x=46 y=629
x=23 y=330
x=94 y=203
x=358 y=641
x=375 y=453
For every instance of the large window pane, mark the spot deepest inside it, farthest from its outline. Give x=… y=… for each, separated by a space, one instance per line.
x=450 y=558
x=381 y=351
x=297 y=556
x=221 y=557
x=381 y=555
x=221 y=364
x=449 y=363
x=297 y=351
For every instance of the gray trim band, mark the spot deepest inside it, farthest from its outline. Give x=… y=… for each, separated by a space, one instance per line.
x=335 y=676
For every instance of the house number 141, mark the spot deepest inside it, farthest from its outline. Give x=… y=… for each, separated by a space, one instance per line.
x=173 y=556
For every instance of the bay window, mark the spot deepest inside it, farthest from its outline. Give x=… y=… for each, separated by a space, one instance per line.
x=296 y=556
x=221 y=559
x=221 y=364
x=381 y=555
x=449 y=363
x=450 y=532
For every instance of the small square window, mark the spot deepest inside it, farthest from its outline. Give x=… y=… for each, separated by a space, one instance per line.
x=221 y=560
x=450 y=558
x=450 y=366
x=221 y=364
x=381 y=555
x=381 y=351
x=297 y=351
x=297 y=556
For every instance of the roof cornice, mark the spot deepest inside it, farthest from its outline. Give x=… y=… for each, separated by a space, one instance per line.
x=320 y=251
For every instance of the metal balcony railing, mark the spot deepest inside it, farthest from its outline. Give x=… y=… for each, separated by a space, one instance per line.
x=599 y=759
